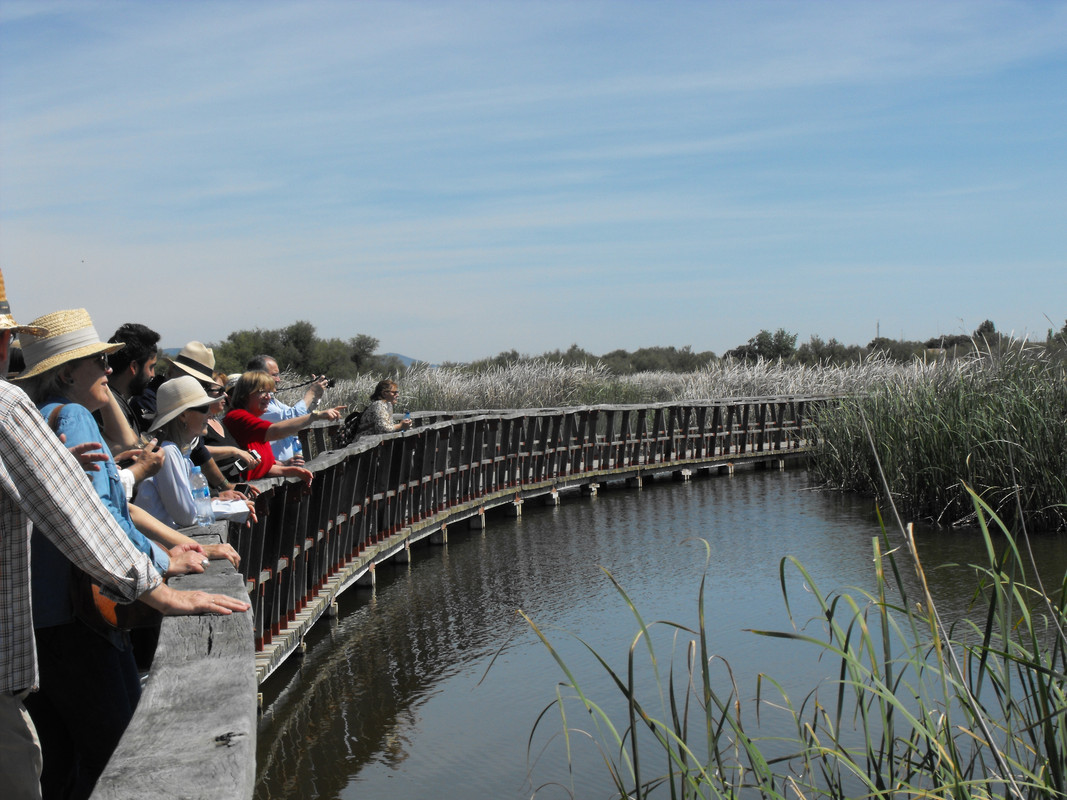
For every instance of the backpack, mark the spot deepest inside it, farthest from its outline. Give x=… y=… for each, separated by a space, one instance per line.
x=349 y=430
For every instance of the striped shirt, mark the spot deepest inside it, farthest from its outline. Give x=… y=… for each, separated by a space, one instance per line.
x=42 y=483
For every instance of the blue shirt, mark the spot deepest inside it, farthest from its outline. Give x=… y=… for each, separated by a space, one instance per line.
x=50 y=569
x=286 y=448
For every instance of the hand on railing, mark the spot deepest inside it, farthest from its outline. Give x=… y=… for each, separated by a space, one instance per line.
x=186 y=558
x=280 y=471
x=224 y=550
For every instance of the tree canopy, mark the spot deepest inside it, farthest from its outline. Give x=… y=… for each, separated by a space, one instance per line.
x=297 y=348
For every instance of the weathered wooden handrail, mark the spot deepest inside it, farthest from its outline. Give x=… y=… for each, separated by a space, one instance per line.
x=370 y=502
x=194 y=732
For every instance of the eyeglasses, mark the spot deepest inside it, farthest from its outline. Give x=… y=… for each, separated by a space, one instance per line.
x=100 y=359
x=202 y=409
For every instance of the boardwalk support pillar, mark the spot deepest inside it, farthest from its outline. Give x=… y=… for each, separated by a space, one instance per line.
x=634 y=483
x=477 y=522
x=366 y=580
x=440 y=536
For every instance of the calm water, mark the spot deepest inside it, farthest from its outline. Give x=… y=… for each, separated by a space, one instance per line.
x=431 y=685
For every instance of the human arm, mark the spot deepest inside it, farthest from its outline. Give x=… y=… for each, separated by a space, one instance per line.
x=290 y=427
x=89 y=454
x=246 y=427
x=284 y=471
x=169 y=538
x=314 y=392
x=219 y=451
x=186 y=558
x=117 y=431
x=147 y=460
x=78 y=425
x=172 y=602
x=173 y=487
x=53 y=492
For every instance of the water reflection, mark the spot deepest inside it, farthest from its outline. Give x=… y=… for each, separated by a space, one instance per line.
x=430 y=685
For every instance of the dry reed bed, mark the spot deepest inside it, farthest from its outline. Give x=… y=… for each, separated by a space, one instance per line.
x=996 y=421
x=547 y=384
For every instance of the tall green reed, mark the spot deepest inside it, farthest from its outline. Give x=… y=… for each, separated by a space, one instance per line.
x=999 y=421
x=910 y=707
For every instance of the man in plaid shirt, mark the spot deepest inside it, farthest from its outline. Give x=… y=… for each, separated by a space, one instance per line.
x=41 y=483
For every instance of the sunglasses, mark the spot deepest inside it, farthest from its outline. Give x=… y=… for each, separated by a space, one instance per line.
x=202 y=409
x=100 y=359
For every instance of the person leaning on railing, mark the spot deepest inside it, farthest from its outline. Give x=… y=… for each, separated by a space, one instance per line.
x=251 y=397
x=40 y=482
x=378 y=416
x=182 y=409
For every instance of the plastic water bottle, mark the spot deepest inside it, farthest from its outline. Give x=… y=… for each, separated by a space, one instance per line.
x=202 y=496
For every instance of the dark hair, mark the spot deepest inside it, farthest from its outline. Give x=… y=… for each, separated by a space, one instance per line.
x=140 y=341
x=382 y=387
x=258 y=363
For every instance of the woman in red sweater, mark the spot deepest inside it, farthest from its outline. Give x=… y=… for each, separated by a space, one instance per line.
x=245 y=421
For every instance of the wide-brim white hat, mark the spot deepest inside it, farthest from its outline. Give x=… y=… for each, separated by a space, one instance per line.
x=198 y=360
x=178 y=395
x=68 y=336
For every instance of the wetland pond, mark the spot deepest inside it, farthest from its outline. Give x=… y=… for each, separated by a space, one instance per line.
x=429 y=685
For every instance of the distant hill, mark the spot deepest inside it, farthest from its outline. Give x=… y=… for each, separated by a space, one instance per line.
x=407 y=361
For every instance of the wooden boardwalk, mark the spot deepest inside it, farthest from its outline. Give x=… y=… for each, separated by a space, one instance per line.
x=371 y=502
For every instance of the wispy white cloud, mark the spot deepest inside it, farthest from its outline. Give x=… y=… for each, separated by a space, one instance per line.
x=472 y=153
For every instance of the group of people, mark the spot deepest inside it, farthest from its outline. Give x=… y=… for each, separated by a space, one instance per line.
x=96 y=458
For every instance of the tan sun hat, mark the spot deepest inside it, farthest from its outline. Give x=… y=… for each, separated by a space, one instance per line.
x=68 y=336
x=178 y=395
x=7 y=322
x=197 y=360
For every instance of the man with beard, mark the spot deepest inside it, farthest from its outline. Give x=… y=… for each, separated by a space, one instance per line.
x=132 y=367
x=131 y=370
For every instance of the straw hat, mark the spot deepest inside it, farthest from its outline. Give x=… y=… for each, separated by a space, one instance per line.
x=7 y=322
x=197 y=360
x=67 y=336
x=178 y=395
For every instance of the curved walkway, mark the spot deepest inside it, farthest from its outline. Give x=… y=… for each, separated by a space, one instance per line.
x=194 y=731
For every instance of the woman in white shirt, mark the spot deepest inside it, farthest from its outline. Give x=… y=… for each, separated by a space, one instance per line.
x=182 y=409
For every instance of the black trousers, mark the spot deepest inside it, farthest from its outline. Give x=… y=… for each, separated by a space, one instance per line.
x=88 y=692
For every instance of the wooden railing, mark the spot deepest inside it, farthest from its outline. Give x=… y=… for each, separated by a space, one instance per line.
x=372 y=500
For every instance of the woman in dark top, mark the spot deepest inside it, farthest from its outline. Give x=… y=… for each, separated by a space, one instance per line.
x=230 y=457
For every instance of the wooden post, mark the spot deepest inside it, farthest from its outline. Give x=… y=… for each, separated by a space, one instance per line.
x=367 y=580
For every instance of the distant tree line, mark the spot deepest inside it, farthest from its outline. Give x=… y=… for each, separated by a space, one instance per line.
x=782 y=345
x=620 y=362
x=298 y=349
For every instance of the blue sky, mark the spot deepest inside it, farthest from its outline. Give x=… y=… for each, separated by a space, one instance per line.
x=462 y=178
